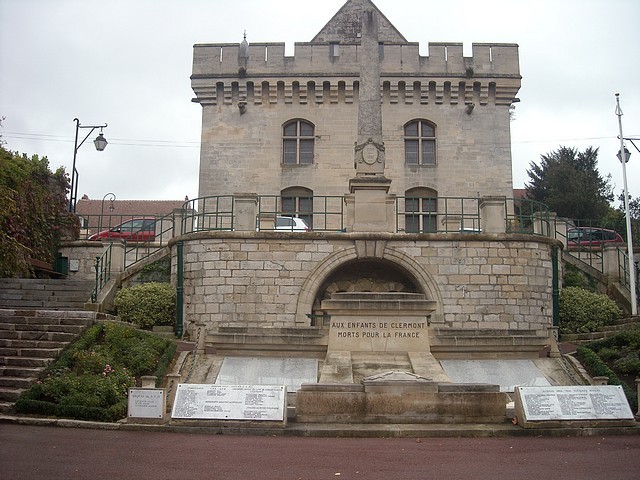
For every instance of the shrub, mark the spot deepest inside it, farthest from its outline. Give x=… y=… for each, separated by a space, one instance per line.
x=582 y=311
x=147 y=304
x=91 y=379
x=597 y=368
x=576 y=278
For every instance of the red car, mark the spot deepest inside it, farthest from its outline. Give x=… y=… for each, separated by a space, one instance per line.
x=134 y=230
x=592 y=237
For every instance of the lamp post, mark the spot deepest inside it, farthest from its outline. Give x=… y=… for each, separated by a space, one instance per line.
x=112 y=198
x=623 y=156
x=100 y=143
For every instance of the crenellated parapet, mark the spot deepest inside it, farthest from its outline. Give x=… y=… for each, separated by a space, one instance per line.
x=324 y=73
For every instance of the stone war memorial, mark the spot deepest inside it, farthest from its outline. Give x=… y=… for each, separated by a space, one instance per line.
x=418 y=291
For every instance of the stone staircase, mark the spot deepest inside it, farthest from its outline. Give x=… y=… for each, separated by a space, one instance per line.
x=44 y=294
x=38 y=319
x=29 y=341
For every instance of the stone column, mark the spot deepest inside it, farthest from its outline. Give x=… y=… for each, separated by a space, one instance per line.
x=148 y=381
x=117 y=256
x=172 y=386
x=545 y=224
x=246 y=212
x=183 y=221
x=493 y=214
x=372 y=208
x=600 y=380
x=369 y=150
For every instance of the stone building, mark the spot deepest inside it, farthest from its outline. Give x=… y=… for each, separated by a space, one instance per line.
x=285 y=125
x=401 y=165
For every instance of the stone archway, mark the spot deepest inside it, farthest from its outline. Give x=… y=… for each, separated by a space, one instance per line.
x=370 y=266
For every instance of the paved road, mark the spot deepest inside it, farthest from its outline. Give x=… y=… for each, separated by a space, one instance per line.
x=28 y=452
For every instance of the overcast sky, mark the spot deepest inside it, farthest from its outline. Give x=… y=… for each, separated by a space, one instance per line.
x=127 y=63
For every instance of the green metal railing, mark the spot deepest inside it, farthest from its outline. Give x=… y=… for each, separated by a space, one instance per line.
x=103 y=272
x=324 y=213
x=207 y=214
x=165 y=230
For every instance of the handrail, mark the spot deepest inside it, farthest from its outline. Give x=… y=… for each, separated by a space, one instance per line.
x=103 y=272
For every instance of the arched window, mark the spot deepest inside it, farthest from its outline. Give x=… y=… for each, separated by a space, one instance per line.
x=298 y=202
x=297 y=143
x=420 y=143
x=421 y=210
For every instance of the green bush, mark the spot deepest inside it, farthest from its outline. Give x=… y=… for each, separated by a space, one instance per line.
x=582 y=311
x=147 y=304
x=597 y=368
x=575 y=278
x=91 y=379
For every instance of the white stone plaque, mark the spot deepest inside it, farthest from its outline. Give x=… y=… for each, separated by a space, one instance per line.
x=146 y=402
x=229 y=402
x=606 y=402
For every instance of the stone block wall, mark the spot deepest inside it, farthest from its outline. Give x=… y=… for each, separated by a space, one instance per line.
x=500 y=282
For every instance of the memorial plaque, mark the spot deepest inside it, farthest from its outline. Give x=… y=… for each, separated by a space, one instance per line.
x=146 y=403
x=576 y=403
x=229 y=402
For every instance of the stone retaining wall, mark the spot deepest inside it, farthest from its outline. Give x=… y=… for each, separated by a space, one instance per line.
x=271 y=279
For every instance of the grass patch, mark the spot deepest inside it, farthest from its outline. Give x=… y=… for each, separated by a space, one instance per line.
x=91 y=378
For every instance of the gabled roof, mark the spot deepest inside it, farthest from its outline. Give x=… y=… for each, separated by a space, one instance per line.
x=345 y=26
x=155 y=208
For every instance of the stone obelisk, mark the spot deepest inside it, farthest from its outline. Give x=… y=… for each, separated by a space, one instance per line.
x=371 y=209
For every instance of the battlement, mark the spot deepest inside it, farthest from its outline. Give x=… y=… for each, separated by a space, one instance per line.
x=326 y=59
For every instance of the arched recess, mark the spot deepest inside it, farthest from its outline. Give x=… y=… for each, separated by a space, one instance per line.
x=402 y=265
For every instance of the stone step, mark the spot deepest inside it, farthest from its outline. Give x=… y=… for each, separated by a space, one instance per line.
x=6 y=407
x=8 y=394
x=37 y=336
x=453 y=332
x=16 y=382
x=50 y=294
x=20 y=372
x=25 y=361
x=46 y=344
x=30 y=352
x=76 y=329
x=489 y=340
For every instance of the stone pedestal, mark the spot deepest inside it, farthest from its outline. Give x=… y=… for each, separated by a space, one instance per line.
x=378 y=322
x=371 y=206
x=246 y=209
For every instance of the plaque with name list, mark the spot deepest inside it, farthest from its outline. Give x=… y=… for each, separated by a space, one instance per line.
x=146 y=403
x=603 y=402
x=229 y=402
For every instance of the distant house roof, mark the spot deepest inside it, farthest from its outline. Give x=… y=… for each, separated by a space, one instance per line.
x=117 y=211
x=519 y=193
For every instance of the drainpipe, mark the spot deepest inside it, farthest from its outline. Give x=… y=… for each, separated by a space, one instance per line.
x=556 y=286
x=179 y=290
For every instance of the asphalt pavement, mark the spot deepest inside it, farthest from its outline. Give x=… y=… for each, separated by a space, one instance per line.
x=40 y=452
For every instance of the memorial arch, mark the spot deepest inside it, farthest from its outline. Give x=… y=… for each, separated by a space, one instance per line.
x=365 y=268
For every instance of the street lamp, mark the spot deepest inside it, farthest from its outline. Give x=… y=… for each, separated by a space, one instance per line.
x=100 y=143
x=623 y=156
x=112 y=198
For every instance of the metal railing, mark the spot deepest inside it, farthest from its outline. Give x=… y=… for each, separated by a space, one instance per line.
x=207 y=214
x=103 y=272
x=322 y=213
x=136 y=251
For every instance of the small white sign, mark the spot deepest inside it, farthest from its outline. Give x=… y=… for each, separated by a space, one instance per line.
x=229 y=402
x=146 y=402
x=606 y=402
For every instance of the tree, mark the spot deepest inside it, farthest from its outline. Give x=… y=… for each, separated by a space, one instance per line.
x=33 y=212
x=568 y=182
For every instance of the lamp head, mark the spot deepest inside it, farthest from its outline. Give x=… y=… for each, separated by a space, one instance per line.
x=627 y=154
x=100 y=142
